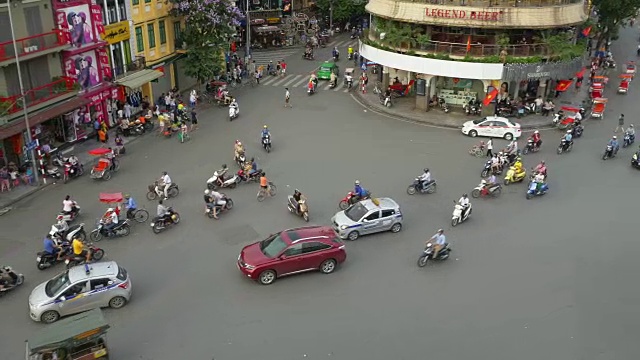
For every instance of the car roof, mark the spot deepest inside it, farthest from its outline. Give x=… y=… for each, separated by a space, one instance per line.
x=99 y=269
x=329 y=63
x=319 y=233
x=383 y=203
x=498 y=118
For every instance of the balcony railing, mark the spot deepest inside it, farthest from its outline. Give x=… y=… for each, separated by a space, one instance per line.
x=139 y=63
x=32 y=44
x=482 y=50
x=15 y=103
x=499 y=3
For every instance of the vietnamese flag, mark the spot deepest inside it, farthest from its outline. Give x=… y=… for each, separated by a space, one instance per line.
x=490 y=96
x=563 y=85
x=469 y=43
x=586 y=31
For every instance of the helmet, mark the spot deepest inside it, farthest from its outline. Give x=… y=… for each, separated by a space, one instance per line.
x=440 y=230
x=542 y=162
x=568 y=131
x=237 y=141
x=464 y=195
x=536 y=132
x=296 y=191
x=207 y=192
x=126 y=196
x=426 y=170
x=357 y=182
x=519 y=159
x=630 y=125
x=614 y=137
x=164 y=173
x=483 y=182
x=109 y=209
x=265 y=126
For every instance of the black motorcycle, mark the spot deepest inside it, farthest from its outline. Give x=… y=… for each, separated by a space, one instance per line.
x=487 y=170
x=417 y=186
x=427 y=254
x=506 y=111
x=565 y=146
x=9 y=279
x=530 y=147
x=46 y=260
x=443 y=105
x=609 y=152
x=220 y=208
x=473 y=107
x=74 y=260
x=266 y=143
x=634 y=160
x=628 y=140
x=577 y=130
x=161 y=223
x=308 y=56
x=121 y=229
x=131 y=130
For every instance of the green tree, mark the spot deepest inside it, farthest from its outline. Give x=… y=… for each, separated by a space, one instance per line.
x=210 y=25
x=611 y=15
x=343 y=10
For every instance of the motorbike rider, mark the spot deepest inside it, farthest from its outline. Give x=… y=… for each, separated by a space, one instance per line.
x=631 y=131
x=238 y=150
x=568 y=138
x=297 y=197
x=425 y=178
x=512 y=150
x=359 y=192
x=130 y=205
x=541 y=168
x=350 y=51
x=333 y=79
x=438 y=240
x=209 y=200
x=110 y=156
x=218 y=201
x=496 y=163
x=111 y=221
x=79 y=250
x=335 y=53
x=165 y=183
x=537 y=139
x=614 y=144
x=68 y=206
x=234 y=104
x=464 y=202
x=264 y=133
x=162 y=211
x=254 y=167
x=517 y=166
x=74 y=162
x=51 y=248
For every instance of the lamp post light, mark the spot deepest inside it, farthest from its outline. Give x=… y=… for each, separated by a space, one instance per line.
x=22 y=93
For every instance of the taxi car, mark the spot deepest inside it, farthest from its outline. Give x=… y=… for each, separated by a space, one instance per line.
x=80 y=288
x=368 y=217
x=325 y=70
x=492 y=126
x=292 y=251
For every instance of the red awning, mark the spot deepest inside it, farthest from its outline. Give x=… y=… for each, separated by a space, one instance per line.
x=18 y=125
x=563 y=85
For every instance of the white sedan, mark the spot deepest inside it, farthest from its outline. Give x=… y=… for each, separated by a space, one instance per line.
x=492 y=126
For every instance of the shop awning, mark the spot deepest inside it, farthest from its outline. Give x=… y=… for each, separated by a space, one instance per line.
x=139 y=78
x=18 y=125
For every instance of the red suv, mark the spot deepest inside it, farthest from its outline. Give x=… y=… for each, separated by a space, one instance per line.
x=292 y=251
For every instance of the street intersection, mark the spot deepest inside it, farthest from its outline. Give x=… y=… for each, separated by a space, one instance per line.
x=551 y=277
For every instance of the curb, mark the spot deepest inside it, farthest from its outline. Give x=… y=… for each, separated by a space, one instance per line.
x=367 y=104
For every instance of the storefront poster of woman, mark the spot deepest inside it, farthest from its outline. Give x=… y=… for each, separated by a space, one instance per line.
x=79 y=25
x=86 y=73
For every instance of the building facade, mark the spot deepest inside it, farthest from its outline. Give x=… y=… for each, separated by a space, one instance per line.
x=464 y=49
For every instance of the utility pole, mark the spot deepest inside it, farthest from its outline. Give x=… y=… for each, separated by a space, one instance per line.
x=331 y=17
x=22 y=94
x=248 y=30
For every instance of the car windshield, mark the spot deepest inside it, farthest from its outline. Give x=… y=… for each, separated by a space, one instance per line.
x=356 y=212
x=479 y=121
x=56 y=284
x=272 y=246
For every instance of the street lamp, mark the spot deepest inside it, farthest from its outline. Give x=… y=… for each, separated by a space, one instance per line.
x=22 y=93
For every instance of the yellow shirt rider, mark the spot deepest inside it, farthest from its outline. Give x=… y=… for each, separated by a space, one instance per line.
x=517 y=166
x=350 y=50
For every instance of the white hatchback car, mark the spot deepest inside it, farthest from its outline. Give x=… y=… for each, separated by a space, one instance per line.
x=492 y=126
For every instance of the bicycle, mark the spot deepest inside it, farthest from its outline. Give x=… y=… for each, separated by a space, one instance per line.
x=378 y=88
x=271 y=191
x=140 y=215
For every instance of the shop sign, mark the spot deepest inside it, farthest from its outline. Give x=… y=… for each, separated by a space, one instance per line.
x=464 y=14
x=96 y=17
x=554 y=70
x=273 y=21
x=115 y=33
x=103 y=58
x=257 y=21
x=539 y=73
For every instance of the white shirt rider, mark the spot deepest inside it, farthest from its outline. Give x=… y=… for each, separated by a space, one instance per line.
x=425 y=177
x=464 y=202
x=162 y=210
x=578 y=117
x=539 y=178
x=166 y=182
x=73 y=160
x=218 y=198
x=67 y=206
x=114 y=217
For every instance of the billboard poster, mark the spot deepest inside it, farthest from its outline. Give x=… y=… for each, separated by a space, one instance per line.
x=83 y=68
x=77 y=21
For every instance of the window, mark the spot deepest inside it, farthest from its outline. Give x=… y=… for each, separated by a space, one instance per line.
x=272 y=246
x=147 y=1
x=374 y=216
x=33 y=20
x=76 y=289
x=387 y=213
x=356 y=212
x=151 y=33
x=163 y=32
x=122 y=274
x=135 y=2
x=177 y=33
x=97 y=284
x=293 y=250
x=56 y=284
x=139 y=39
x=314 y=246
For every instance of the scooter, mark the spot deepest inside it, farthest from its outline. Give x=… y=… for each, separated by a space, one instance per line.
x=530 y=147
x=234 y=111
x=154 y=191
x=487 y=170
x=9 y=279
x=214 y=182
x=69 y=217
x=609 y=152
x=59 y=160
x=558 y=117
x=634 y=160
x=459 y=215
x=307 y=56
x=71 y=171
x=158 y=225
x=53 y=172
x=513 y=177
x=429 y=187
x=427 y=254
x=123 y=228
x=61 y=231
x=443 y=105
x=485 y=190
x=304 y=209
x=385 y=100
x=564 y=146
x=628 y=140
x=311 y=90
x=221 y=208
x=535 y=190
x=254 y=176
x=96 y=255
x=266 y=143
x=241 y=159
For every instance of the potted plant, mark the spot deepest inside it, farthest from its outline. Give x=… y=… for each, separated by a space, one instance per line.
x=423 y=41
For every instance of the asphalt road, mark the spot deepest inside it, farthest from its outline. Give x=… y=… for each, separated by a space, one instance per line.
x=553 y=277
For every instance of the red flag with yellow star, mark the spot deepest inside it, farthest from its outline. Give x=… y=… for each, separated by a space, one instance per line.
x=490 y=97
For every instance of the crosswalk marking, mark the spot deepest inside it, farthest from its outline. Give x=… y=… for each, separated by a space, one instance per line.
x=300 y=82
x=277 y=83
x=292 y=80
x=269 y=80
x=328 y=87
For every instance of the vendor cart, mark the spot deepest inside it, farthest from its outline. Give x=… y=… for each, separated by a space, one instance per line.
x=569 y=118
x=105 y=166
x=79 y=337
x=116 y=201
x=597 y=111
x=625 y=79
x=596 y=90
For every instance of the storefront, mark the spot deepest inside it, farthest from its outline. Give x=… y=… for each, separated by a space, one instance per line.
x=528 y=81
x=456 y=91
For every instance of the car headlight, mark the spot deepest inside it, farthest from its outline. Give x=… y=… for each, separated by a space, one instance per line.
x=635 y=156
x=342 y=227
x=249 y=267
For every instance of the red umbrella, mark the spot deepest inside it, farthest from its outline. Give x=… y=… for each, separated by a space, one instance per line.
x=108 y=198
x=580 y=73
x=99 y=151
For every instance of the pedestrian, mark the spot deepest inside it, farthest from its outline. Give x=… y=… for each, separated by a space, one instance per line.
x=96 y=127
x=194 y=120
x=284 y=68
x=184 y=132
x=287 y=98
x=167 y=101
x=620 y=124
x=161 y=123
x=192 y=98
x=490 y=147
x=127 y=111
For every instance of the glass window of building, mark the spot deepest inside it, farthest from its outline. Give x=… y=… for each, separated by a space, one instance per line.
x=163 y=32
x=151 y=32
x=135 y=2
x=139 y=39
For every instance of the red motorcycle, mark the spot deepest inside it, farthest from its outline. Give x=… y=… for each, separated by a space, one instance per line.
x=255 y=177
x=351 y=199
x=486 y=190
x=71 y=171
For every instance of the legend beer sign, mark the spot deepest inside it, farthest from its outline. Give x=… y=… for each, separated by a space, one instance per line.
x=478 y=15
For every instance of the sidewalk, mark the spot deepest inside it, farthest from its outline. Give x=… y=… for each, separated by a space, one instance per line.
x=80 y=150
x=406 y=108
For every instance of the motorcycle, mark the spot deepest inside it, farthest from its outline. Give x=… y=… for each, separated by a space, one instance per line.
x=70 y=216
x=61 y=231
x=530 y=147
x=234 y=111
x=427 y=254
x=96 y=255
x=350 y=199
x=634 y=160
x=307 y=56
x=513 y=177
x=52 y=172
x=628 y=140
x=429 y=187
x=350 y=56
x=609 y=152
x=254 y=176
x=221 y=208
x=9 y=279
x=159 y=224
x=71 y=171
x=486 y=190
x=46 y=260
x=487 y=170
x=266 y=143
x=218 y=180
x=472 y=108
x=123 y=228
x=336 y=57
x=535 y=190
x=565 y=146
x=558 y=117
x=506 y=111
x=155 y=191
x=385 y=100
x=241 y=159
x=132 y=130
x=59 y=160
x=577 y=130
x=443 y=105
x=304 y=209
x=459 y=215
x=311 y=90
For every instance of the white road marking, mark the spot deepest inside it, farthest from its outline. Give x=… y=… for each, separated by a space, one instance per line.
x=269 y=80
x=292 y=80
x=304 y=80
x=279 y=82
